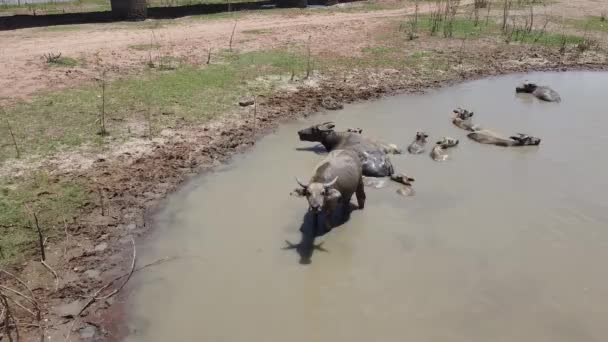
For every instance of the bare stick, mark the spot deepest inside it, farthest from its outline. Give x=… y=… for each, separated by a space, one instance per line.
x=103 y=210
x=531 y=18
x=128 y=275
x=103 y=102
x=67 y=338
x=10 y=130
x=21 y=306
x=236 y=21
x=67 y=238
x=308 y=66
x=8 y=318
x=32 y=299
x=255 y=112
x=2 y=287
x=209 y=56
x=54 y=274
x=40 y=237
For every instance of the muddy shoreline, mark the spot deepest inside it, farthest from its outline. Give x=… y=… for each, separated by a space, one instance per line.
x=132 y=187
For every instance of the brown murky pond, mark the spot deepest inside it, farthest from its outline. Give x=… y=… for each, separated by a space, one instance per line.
x=497 y=245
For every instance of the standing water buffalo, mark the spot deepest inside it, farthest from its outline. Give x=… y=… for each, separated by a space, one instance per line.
x=464 y=120
x=372 y=154
x=488 y=137
x=541 y=92
x=418 y=145
x=334 y=181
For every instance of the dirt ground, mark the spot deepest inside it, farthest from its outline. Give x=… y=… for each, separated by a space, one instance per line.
x=133 y=178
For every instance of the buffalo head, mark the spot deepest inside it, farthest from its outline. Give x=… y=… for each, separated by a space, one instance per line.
x=318 y=194
x=463 y=114
x=421 y=137
x=525 y=140
x=526 y=87
x=316 y=132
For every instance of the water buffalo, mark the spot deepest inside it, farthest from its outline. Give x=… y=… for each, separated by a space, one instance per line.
x=541 y=92
x=387 y=148
x=407 y=189
x=419 y=143
x=489 y=137
x=373 y=156
x=334 y=181
x=464 y=120
x=439 y=151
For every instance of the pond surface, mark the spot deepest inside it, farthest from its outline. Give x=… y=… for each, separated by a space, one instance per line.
x=498 y=244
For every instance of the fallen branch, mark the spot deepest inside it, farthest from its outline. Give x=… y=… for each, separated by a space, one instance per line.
x=128 y=275
x=2 y=287
x=54 y=274
x=21 y=306
x=8 y=317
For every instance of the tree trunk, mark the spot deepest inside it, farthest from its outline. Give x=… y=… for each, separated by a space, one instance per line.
x=292 y=3
x=130 y=9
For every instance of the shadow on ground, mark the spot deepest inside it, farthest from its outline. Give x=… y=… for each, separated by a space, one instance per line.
x=309 y=232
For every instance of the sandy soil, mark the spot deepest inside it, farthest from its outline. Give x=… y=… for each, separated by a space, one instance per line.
x=132 y=179
x=24 y=72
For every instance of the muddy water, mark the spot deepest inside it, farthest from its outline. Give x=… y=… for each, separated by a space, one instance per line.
x=497 y=245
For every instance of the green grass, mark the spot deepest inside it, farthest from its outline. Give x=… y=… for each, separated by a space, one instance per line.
x=144 y=47
x=466 y=28
x=54 y=203
x=63 y=62
x=57 y=8
x=67 y=119
x=461 y=27
x=93 y=6
x=546 y=38
x=258 y=31
x=594 y=23
x=379 y=50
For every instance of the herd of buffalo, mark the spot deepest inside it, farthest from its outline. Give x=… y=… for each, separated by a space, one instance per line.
x=355 y=161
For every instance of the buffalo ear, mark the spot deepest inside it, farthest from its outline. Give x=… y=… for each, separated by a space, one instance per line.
x=298 y=192
x=333 y=194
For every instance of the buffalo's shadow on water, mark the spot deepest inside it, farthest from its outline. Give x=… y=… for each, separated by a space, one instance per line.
x=317 y=149
x=306 y=247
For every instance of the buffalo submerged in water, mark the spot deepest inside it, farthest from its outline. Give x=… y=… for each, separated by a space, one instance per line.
x=373 y=154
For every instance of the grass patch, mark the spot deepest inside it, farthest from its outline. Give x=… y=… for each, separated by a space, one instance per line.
x=594 y=23
x=144 y=47
x=54 y=203
x=66 y=62
x=546 y=38
x=379 y=50
x=57 y=7
x=461 y=27
x=258 y=31
x=466 y=28
x=69 y=118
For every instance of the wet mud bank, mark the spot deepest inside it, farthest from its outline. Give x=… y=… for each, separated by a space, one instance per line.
x=132 y=185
